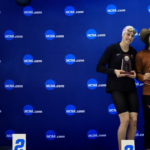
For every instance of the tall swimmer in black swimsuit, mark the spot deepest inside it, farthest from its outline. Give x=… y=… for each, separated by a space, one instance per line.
x=122 y=87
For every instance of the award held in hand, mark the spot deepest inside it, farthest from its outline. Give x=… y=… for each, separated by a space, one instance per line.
x=147 y=81
x=126 y=65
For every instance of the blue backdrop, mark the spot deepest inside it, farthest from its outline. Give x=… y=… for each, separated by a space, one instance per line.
x=50 y=89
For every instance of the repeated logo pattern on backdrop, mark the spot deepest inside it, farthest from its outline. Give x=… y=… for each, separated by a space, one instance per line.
x=70 y=59
x=92 y=34
x=112 y=9
x=9 y=85
x=28 y=110
x=92 y=134
x=70 y=11
x=50 y=35
x=51 y=135
x=28 y=11
x=28 y=60
x=9 y=35
x=50 y=89
x=71 y=110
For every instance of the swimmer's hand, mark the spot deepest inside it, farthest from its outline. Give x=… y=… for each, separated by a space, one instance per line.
x=133 y=75
x=117 y=72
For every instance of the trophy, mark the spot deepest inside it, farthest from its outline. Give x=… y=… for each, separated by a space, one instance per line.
x=147 y=81
x=126 y=65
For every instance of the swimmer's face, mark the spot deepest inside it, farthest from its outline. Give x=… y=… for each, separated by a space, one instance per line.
x=128 y=37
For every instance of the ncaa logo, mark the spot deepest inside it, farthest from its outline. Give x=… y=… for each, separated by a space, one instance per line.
x=136 y=83
x=70 y=110
x=92 y=134
x=70 y=59
x=69 y=11
x=127 y=145
x=91 y=34
x=28 y=11
x=92 y=84
x=50 y=135
x=28 y=110
x=9 y=84
x=28 y=59
x=136 y=33
x=49 y=34
x=137 y=134
x=9 y=134
x=19 y=141
x=111 y=9
x=50 y=84
x=112 y=109
x=9 y=35
x=148 y=8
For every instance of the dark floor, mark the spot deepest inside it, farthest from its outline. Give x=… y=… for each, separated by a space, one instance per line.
x=5 y=148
